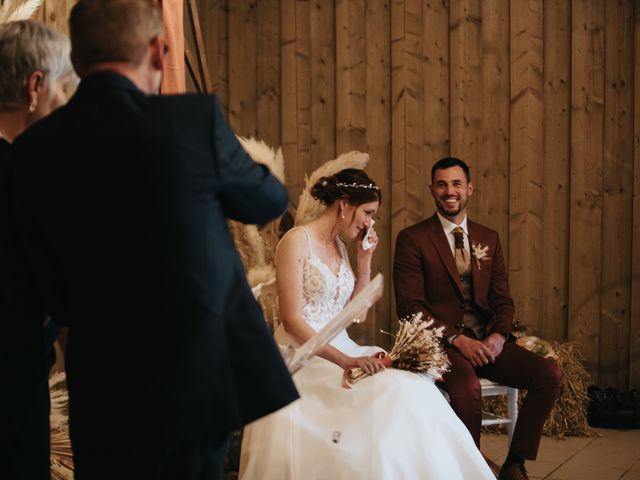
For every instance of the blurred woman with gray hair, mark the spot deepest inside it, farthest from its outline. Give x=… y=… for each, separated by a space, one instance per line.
x=36 y=75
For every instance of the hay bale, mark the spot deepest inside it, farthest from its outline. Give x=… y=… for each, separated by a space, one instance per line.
x=569 y=414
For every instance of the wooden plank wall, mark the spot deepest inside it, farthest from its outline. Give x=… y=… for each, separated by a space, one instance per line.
x=634 y=344
x=540 y=97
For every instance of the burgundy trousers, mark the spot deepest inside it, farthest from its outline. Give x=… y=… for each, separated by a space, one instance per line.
x=514 y=367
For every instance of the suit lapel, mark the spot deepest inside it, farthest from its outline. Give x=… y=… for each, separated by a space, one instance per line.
x=441 y=243
x=475 y=273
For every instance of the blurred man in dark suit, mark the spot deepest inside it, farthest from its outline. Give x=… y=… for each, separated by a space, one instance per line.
x=123 y=199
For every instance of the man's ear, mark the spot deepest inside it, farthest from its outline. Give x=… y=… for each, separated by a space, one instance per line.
x=157 y=49
x=470 y=189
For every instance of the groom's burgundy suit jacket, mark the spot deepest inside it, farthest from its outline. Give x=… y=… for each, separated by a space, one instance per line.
x=426 y=278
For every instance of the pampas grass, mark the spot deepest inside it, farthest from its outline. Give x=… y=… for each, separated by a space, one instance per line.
x=309 y=208
x=262 y=153
x=258 y=275
x=61 y=452
x=13 y=11
x=257 y=244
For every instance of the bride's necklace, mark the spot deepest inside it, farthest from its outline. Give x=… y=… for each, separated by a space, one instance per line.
x=331 y=251
x=327 y=243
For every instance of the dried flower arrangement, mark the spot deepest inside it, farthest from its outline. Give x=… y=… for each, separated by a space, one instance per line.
x=417 y=348
x=13 y=11
x=61 y=452
x=257 y=244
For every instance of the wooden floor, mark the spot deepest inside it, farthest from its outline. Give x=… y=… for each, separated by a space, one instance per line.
x=614 y=454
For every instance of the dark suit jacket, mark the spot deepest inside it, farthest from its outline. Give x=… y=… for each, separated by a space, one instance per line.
x=426 y=278
x=24 y=401
x=123 y=201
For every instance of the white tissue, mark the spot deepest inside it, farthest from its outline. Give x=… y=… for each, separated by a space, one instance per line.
x=366 y=244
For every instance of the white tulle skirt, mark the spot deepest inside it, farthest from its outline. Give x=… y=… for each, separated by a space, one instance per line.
x=392 y=426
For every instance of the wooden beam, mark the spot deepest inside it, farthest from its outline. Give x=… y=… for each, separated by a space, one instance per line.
x=491 y=178
x=617 y=202
x=323 y=85
x=587 y=132
x=435 y=71
x=525 y=166
x=288 y=101
x=192 y=67
x=557 y=168
x=201 y=50
x=243 y=60
x=465 y=42
x=634 y=336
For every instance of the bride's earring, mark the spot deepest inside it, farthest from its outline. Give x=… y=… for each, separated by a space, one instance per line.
x=33 y=106
x=341 y=213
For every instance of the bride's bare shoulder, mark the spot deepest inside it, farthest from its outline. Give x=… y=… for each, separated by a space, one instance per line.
x=294 y=241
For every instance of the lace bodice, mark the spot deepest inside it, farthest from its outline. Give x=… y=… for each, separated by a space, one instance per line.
x=325 y=294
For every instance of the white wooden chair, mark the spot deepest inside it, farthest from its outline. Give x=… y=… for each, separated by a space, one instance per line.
x=490 y=389
x=267 y=296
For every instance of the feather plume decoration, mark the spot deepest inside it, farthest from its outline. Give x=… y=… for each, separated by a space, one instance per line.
x=61 y=453
x=262 y=274
x=257 y=244
x=262 y=153
x=310 y=209
x=417 y=348
x=4 y=11
x=11 y=12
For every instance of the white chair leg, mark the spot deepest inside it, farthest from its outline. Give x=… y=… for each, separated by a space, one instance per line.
x=512 y=409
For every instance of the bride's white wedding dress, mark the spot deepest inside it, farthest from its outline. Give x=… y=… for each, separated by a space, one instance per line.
x=391 y=426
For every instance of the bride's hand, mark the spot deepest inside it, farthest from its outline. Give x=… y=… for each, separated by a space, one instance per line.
x=373 y=239
x=369 y=365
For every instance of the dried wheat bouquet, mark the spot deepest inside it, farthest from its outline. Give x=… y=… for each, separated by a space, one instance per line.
x=417 y=348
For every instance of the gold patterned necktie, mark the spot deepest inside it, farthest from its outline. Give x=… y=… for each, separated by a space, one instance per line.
x=463 y=262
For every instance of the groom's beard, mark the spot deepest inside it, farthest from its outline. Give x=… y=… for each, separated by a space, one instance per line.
x=451 y=211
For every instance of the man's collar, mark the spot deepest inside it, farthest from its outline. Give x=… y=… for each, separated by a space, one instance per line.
x=105 y=80
x=448 y=225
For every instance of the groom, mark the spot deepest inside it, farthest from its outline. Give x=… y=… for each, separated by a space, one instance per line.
x=453 y=269
x=122 y=201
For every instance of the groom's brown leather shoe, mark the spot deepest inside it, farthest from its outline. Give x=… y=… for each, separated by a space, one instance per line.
x=515 y=471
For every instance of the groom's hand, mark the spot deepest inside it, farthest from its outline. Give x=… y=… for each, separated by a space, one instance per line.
x=473 y=350
x=495 y=343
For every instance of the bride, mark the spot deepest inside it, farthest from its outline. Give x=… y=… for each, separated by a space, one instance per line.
x=391 y=425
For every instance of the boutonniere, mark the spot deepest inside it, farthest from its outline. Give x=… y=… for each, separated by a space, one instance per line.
x=479 y=252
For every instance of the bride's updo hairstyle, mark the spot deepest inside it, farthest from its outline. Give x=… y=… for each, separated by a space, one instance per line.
x=352 y=184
